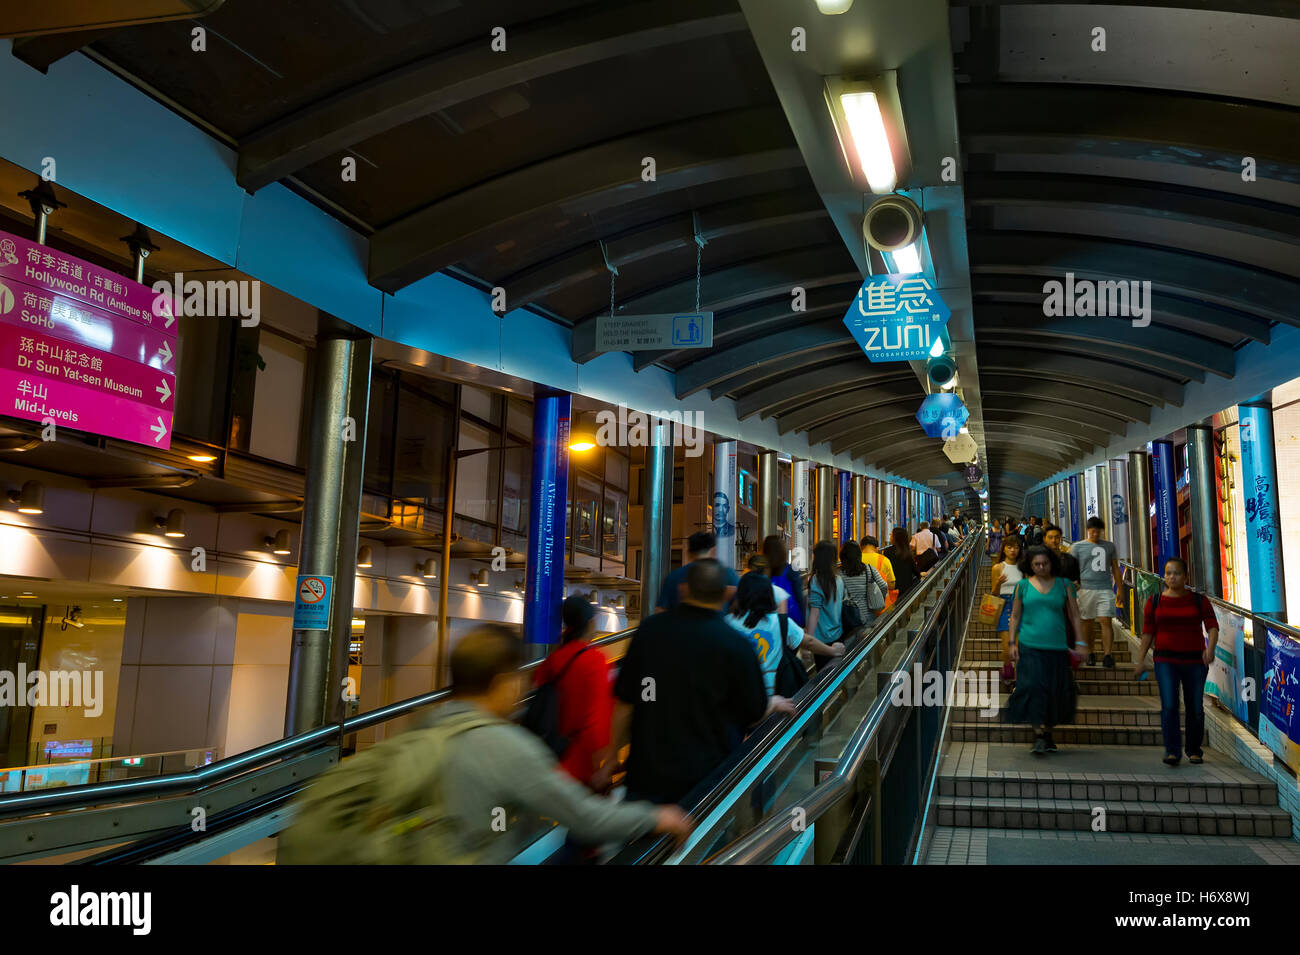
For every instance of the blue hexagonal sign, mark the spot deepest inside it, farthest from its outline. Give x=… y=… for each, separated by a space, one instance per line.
x=897 y=317
x=942 y=415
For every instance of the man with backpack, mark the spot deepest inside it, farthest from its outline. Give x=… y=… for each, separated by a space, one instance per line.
x=470 y=788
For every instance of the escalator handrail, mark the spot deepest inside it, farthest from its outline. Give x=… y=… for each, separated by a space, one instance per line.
x=763 y=842
x=770 y=733
x=20 y=804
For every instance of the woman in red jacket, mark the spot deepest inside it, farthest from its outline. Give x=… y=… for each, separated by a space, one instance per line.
x=1173 y=622
x=583 y=692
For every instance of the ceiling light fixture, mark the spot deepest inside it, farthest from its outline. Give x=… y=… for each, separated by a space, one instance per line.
x=583 y=435
x=868 y=119
x=905 y=261
x=30 y=499
x=833 y=7
x=202 y=458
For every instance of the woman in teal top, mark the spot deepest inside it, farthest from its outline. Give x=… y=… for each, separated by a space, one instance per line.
x=1045 y=694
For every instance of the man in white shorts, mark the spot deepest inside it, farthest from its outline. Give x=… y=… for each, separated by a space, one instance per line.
x=1099 y=581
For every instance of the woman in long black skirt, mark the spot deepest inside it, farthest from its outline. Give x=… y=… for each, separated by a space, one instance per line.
x=1045 y=694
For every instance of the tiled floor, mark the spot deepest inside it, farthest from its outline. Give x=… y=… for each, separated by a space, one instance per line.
x=997 y=804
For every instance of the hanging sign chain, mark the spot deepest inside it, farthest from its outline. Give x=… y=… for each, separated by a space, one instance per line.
x=613 y=271
x=700 y=243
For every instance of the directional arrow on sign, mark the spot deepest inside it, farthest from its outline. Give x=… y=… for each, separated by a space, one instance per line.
x=164 y=389
x=159 y=430
x=166 y=352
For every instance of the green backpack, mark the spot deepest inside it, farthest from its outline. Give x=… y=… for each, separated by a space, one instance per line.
x=381 y=807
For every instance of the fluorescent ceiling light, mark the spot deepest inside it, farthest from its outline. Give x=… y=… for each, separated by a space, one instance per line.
x=866 y=127
x=832 y=7
x=937 y=348
x=949 y=385
x=907 y=260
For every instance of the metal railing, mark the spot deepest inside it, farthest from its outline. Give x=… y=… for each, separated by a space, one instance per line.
x=879 y=786
x=1140 y=584
x=21 y=804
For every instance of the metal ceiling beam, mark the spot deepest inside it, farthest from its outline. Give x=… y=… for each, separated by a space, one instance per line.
x=1013 y=358
x=1178 y=128
x=1027 y=385
x=671 y=234
x=822 y=302
x=1075 y=422
x=1262 y=8
x=723 y=364
x=1120 y=359
x=1191 y=351
x=1074 y=410
x=1198 y=318
x=444 y=79
x=1266 y=296
x=728 y=145
x=834 y=410
x=869 y=440
x=783 y=396
x=728 y=287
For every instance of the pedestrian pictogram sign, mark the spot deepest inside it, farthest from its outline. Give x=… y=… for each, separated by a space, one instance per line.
x=311 y=608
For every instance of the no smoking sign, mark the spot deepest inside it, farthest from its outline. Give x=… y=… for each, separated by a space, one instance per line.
x=311 y=607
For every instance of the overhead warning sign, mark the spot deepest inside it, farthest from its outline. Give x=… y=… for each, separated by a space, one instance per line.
x=311 y=607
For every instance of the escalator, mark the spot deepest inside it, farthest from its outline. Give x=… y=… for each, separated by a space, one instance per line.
x=206 y=814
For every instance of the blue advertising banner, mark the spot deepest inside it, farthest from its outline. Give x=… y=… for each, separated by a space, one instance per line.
x=1164 y=495
x=897 y=317
x=1279 y=725
x=846 y=507
x=1072 y=506
x=544 y=581
x=1263 y=517
x=903 y=495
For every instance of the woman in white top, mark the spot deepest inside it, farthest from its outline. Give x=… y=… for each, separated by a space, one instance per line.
x=1006 y=574
x=756 y=617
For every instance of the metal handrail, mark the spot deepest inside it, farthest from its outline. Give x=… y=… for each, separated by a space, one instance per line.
x=1288 y=629
x=767 y=736
x=224 y=769
x=762 y=843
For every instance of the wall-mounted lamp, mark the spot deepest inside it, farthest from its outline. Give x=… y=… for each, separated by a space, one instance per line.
x=173 y=525
x=618 y=600
x=519 y=585
x=480 y=578
x=594 y=597
x=427 y=569
x=365 y=559
x=583 y=435
x=279 y=544
x=31 y=499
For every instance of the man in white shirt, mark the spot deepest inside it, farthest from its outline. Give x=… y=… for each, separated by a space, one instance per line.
x=923 y=539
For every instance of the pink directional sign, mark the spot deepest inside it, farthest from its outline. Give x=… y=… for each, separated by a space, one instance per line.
x=84 y=346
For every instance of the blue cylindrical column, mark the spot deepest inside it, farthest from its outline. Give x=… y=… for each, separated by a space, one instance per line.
x=903 y=494
x=544 y=584
x=1263 y=526
x=1073 y=502
x=846 y=506
x=1164 y=493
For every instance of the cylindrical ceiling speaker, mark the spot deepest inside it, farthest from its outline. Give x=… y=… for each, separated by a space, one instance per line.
x=941 y=369
x=892 y=223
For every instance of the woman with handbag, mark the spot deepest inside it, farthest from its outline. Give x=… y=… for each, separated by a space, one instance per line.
x=866 y=587
x=1005 y=577
x=756 y=618
x=826 y=595
x=1045 y=694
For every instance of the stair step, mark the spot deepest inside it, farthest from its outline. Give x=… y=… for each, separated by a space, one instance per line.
x=1093 y=716
x=1112 y=788
x=1207 y=819
x=992 y=731
x=1129 y=687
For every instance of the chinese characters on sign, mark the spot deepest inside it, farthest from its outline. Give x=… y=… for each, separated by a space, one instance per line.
x=654 y=332
x=897 y=317
x=83 y=346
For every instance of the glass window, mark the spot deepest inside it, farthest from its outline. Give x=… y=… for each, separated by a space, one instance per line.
x=203 y=359
x=520 y=420
x=481 y=404
x=679 y=484
x=616 y=469
x=614 y=525
x=477 y=475
x=276 y=430
x=421 y=442
x=379 y=433
x=243 y=386
x=515 y=495
x=586 y=504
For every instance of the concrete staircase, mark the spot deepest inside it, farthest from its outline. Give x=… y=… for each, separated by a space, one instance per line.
x=1104 y=796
